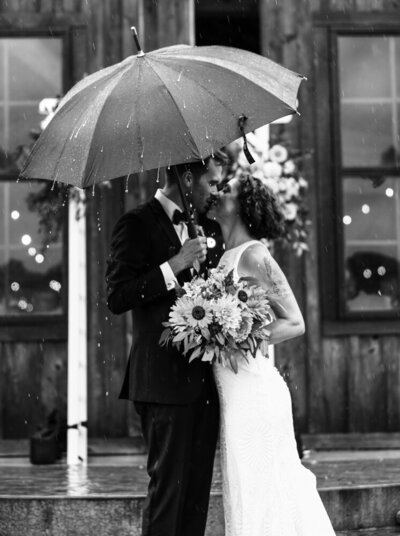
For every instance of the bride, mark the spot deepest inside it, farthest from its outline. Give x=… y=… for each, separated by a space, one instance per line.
x=266 y=489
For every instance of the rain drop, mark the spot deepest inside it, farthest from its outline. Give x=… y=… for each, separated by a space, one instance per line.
x=52 y=186
x=126 y=184
x=93 y=190
x=158 y=175
x=179 y=77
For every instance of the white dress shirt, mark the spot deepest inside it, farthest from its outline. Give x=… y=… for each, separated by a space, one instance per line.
x=181 y=230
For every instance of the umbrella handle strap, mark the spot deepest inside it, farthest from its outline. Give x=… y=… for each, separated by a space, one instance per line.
x=246 y=150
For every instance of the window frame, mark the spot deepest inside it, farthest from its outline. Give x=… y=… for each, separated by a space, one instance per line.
x=335 y=321
x=36 y=327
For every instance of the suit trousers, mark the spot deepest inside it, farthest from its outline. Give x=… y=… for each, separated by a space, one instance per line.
x=180 y=441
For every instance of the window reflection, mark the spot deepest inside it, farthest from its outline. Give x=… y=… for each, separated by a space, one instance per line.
x=369 y=92
x=30 y=70
x=31 y=270
x=372 y=244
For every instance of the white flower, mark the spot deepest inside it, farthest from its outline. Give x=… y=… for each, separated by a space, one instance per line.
x=289 y=167
x=290 y=211
x=303 y=183
x=272 y=184
x=193 y=288
x=227 y=312
x=278 y=153
x=272 y=170
x=291 y=188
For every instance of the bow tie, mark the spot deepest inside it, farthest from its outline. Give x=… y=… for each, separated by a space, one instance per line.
x=178 y=217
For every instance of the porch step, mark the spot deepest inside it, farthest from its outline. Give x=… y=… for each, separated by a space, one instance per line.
x=380 y=531
x=105 y=498
x=351 y=441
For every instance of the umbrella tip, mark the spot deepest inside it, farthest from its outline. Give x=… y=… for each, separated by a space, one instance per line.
x=135 y=38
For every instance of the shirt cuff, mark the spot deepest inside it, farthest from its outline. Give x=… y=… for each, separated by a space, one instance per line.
x=169 y=276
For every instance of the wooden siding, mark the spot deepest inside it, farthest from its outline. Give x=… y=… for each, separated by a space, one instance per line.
x=339 y=383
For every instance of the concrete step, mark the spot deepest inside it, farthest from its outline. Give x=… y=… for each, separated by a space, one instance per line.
x=380 y=531
x=110 y=515
x=362 y=497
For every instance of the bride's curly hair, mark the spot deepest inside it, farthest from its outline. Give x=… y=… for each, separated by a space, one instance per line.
x=259 y=209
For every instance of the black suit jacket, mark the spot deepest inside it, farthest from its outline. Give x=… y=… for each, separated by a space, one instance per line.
x=142 y=240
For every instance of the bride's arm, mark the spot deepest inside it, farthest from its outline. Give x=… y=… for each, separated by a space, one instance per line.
x=257 y=262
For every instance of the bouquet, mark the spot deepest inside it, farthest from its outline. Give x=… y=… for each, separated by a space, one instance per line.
x=218 y=319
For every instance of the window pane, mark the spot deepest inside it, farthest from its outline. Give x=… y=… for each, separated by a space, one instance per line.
x=30 y=70
x=371 y=222
x=397 y=55
x=367 y=135
x=364 y=66
x=25 y=121
x=369 y=90
x=2 y=79
x=35 y=68
x=31 y=275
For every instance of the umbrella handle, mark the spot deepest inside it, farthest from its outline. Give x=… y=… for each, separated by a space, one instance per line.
x=192 y=231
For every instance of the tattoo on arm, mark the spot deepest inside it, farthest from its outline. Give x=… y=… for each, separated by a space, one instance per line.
x=279 y=287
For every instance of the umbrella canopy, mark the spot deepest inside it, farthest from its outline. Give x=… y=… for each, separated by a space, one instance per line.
x=173 y=105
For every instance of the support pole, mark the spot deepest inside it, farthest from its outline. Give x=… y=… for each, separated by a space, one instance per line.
x=77 y=332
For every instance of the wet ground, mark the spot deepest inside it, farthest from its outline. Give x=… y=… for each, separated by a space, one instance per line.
x=125 y=475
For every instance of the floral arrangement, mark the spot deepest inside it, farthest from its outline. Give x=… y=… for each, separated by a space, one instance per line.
x=219 y=319
x=279 y=170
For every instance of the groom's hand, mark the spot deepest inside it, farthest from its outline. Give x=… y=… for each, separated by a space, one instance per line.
x=194 y=249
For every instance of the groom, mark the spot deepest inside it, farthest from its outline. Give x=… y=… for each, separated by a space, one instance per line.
x=150 y=257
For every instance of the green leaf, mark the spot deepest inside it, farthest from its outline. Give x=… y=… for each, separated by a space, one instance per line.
x=220 y=338
x=196 y=353
x=206 y=333
x=180 y=336
x=233 y=361
x=164 y=337
x=264 y=347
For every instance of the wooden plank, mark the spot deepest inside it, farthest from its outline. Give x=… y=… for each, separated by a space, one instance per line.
x=320 y=69
x=333 y=399
x=107 y=344
x=367 y=386
x=352 y=441
x=34 y=383
x=22 y=410
x=390 y=348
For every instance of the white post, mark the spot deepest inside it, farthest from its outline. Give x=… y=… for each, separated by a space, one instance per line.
x=77 y=330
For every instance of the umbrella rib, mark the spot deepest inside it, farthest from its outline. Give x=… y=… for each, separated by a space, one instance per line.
x=221 y=102
x=179 y=110
x=114 y=81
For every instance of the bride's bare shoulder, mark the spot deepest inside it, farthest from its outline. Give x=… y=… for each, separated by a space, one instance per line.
x=254 y=257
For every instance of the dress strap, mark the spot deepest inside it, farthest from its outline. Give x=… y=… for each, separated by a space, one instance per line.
x=240 y=250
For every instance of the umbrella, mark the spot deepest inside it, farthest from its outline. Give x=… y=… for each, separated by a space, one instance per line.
x=174 y=105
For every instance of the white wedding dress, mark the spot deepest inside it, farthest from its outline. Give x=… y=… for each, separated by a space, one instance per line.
x=266 y=489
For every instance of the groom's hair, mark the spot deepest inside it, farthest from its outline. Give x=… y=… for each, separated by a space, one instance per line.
x=197 y=168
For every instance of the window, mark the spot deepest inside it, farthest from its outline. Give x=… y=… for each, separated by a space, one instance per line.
x=360 y=227
x=32 y=264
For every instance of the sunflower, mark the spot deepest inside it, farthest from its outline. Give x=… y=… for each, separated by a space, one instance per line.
x=200 y=314
x=180 y=312
x=244 y=329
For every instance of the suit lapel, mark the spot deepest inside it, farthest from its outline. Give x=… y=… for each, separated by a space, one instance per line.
x=165 y=224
